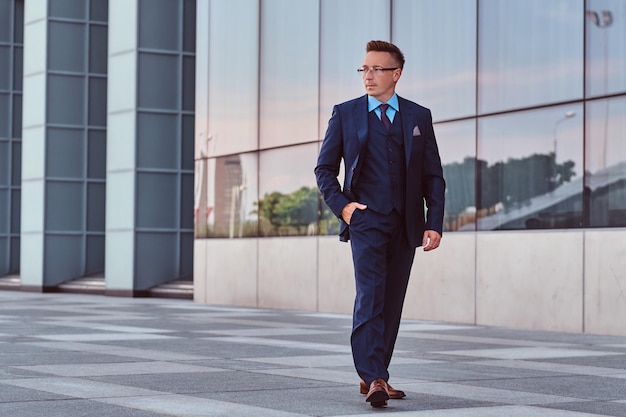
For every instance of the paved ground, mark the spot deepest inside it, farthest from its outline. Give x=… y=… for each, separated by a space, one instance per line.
x=67 y=355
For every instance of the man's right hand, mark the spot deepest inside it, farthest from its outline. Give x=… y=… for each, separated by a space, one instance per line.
x=346 y=212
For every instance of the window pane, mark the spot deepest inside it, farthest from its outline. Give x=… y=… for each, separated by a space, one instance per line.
x=158 y=81
x=189 y=26
x=17 y=115
x=186 y=203
x=227 y=206
x=5 y=112
x=16 y=166
x=96 y=167
x=288 y=196
x=606 y=162
x=64 y=206
x=157 y=204
x=457 y=147
x=159 y=141
x=289 y=93
x=95 y=255
x=606 y=47
x=346 y=28
x=5 y=67
x=4 y=163
x=440 y=74
x=67 y=46
x=98 y=49
x=189 y=83
x=6 y=18
x=65 y=154
x=66 y=100
x=99 y=10
x=530 y=169
x=18 y=68
x=530 y=52
x=187 y=157
x=95 y=207
x=18 y=30
x=97 y=101
x=76 y=9
x=160 y=24
x=16 y=209
x=4 y=208
x=233 y=106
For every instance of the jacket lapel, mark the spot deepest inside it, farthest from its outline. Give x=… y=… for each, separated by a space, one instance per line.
x=408 y=123
x=360 y=121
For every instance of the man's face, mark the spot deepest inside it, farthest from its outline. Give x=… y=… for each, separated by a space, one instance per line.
x=380 y=84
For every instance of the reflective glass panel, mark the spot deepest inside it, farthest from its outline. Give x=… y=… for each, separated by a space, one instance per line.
x=457 y=148
x=530 y=169
x=530 y=53
x=606 y=47
x=606 y=162
x=226 y=191
x=346 y=28
x=289 y=93
x=288 y=196
x=233 y=75
x=440 y=68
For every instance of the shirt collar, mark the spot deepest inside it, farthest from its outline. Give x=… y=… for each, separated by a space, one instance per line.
x=372 y=103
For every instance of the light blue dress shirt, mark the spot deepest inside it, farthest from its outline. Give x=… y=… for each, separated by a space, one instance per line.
x=373 y=103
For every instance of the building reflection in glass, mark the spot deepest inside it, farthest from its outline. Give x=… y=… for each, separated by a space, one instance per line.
x=605 y=51
x=226 y=196
x=288 y=196
x=530 y=169
x=606 y=162
x=457 y=146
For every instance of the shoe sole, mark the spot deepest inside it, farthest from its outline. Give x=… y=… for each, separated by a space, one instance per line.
x=378 y=398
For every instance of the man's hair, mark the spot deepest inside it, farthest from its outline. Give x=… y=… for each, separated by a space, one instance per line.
x=382 y=46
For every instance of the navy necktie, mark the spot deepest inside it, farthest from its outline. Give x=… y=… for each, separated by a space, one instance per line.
x=383 y=116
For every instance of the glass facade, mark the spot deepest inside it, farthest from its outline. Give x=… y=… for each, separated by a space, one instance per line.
x=528 y=100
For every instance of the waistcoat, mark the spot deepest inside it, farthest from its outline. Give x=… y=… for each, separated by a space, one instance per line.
x=382 y=184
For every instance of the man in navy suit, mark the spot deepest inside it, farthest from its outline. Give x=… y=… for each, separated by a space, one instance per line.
x=393 y=170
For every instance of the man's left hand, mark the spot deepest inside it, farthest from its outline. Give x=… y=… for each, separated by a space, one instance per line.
x=431 y=240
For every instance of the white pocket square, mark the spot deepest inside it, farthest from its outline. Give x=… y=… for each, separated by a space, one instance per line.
x=416 y=131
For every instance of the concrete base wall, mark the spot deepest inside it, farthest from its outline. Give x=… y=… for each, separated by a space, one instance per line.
x=571 y=281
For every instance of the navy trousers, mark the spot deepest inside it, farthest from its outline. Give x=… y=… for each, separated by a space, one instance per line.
x=382 y=259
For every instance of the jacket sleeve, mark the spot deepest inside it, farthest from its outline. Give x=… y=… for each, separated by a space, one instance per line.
x=434 y=185
x=328 y=163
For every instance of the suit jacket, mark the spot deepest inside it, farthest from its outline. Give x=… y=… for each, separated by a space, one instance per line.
x=346 y=138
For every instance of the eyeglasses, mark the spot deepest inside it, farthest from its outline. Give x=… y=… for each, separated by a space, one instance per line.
x=375 y=70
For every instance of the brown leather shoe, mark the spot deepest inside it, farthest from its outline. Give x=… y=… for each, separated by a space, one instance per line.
x=394 y=394
x=377 y=395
